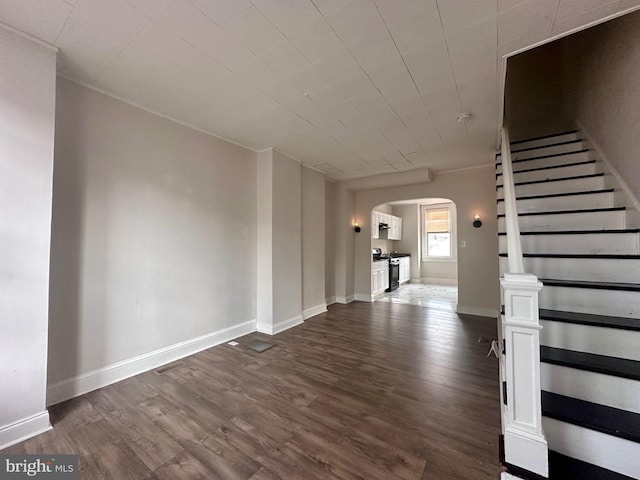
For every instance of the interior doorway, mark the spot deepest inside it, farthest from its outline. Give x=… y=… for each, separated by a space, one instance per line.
x=421 y=236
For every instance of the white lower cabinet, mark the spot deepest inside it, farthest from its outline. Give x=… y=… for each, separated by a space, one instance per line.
x=405 y=269
x=379 y=277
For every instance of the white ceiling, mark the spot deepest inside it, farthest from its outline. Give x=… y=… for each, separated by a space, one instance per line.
x=350 y=87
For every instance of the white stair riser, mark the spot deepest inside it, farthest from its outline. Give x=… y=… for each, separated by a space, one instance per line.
x=615 y=392
x=548 y=173
x=571 y=202
x=617 y=303
x=587 y=269
x=548 y=161
x=568 y=221
x=560 y=186
x=544 y=151
x=621 y=243
x=613 y=453
x=567 y=137
x=612 y=342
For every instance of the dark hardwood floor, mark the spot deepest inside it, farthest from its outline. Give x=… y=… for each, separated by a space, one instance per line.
x=365 y=391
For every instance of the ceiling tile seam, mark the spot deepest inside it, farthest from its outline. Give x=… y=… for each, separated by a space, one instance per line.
x=331 y=83
x=117 y=55
x=446 y=44
x=66 y=20
x=212 y=20
x=310 y=63
x=372 y=82
x=149 y=20
x=186 y=40
x=555 y=17
x=285 y=36
x=384 y=22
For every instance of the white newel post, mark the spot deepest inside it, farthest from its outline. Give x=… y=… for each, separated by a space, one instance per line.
x=525 y=445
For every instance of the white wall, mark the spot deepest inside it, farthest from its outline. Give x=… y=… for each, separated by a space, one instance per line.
x=264 y=194
x=280 y=237
x=313 y=238
x=410 y=242
x=153 y=244
x=473 y=191
x=330 y=242
x=27 y=110
x=287 y=240
x=602 y=84
x=345 y=241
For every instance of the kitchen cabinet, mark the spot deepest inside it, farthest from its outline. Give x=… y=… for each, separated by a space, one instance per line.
x=394 y=232
x=395 y=228
x=379 y=276
x=405 y=269
x=375 y=223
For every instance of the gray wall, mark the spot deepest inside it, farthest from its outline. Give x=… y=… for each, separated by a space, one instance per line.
x=287 y=239
x=329 y=242
x=154 y=233
x=27 y=109
x=602 y=83
x=534 y=93
x=410 y=242
x=313 y=239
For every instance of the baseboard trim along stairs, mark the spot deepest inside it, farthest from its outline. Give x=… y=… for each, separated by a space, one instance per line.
x=579 y=238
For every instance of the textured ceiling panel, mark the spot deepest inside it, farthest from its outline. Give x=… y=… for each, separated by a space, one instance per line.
x=351 y=87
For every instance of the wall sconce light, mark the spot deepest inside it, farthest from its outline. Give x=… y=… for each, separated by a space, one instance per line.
x=356 y=227
x=477 y=223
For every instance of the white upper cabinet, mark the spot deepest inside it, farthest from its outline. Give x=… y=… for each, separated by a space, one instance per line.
x=394 y=232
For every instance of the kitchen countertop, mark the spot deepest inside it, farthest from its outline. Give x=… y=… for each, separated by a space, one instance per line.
x=391 y=255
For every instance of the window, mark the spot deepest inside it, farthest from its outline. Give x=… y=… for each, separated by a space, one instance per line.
x=438 y=240
x=438 y=233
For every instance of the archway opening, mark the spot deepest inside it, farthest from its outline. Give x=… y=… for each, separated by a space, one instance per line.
x=414 y=253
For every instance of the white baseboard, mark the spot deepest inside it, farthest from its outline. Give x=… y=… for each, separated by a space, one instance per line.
x=526 y=450
x=440 y=281
x=477 y=311
x=87 y=382
x=508 y=476
x=330 y=300
x=313 y=311
x=364 y=297
x=23 y=429
x=344 y=300
x=280 y=326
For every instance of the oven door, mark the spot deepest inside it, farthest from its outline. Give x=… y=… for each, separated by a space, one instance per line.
x=394 y=275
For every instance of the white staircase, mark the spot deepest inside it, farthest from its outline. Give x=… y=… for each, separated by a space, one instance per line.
x=580 y=244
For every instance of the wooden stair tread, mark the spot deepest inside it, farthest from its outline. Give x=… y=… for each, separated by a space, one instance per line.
x=549 y=180
x=551 y=155
x=537 y=147
x=595 y=256
x=564 y=194
x=551 y=167
x=607 y=321
x=601 y=418
x=552 y=282
x=562 y=467
x=562 y=212
x=617 y=367
x=516 y=142
x=579 y=232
